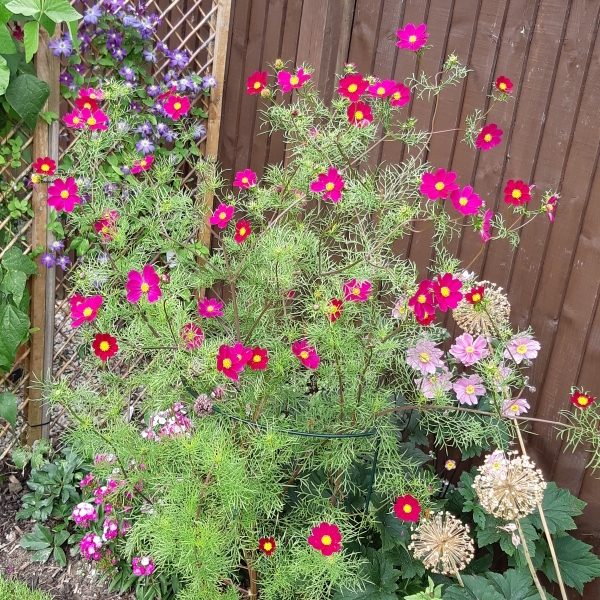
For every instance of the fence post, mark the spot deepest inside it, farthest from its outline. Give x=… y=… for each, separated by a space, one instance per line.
x=45 y=143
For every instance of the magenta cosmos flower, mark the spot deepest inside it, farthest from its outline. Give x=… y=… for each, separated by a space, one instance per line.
x=288 y=82
x=468 y=389
x=357 y=292
x=84 y=309
x=222 y=216
x=306 y=354
x=95 y=119
x=423 y=301
x=74 y=120
x=142 y=165
x=468 y=350
x=447 y=291
x=331 y=183
x=425 y=357
x=438 y=185
x=490 y=136
x=466 y=201
x=326 y=538
x=435 y=385
x=353 y=87
x=382 y=89
x=521 y=348
x=400 y=96
x=245 y=179
x=142 y=283
x=360 y=114
x=192 y=335
x=412 y=37
x=257 y=82
x=176 y=106
x=62 y=195
x=550 y=207
x=230 y=362
x=515 y=408
x=484 y=232
x=209 y=307
x=516 y=192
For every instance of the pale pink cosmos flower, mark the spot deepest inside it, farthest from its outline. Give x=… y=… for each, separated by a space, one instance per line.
x=425 y=357
x=468 y=389
x=496 y=463
x=521 y=348
x=357 y=292
x=468 y=350
x=515 y=408
x=435 y=385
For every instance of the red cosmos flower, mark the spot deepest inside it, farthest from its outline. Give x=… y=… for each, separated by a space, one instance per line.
x=142 y=283
x=105 y=346
x=490 y=136
x=334 y=310
x=222 y=216
x=550 y=207
x=485 y=226
x=242 y=231
x=516 y=192
x=257 y=82
x=306 y=354
x=427 y=318
x=74 y=119
x=360 y=114
x=86 y=102
x=382 y=89
x=447 y=291
x=259 y=359
x=106 y=225
x=466 y=202
x=353 y=87
x=476 y=295
x=412 y=37
x=91 y=93
x=228 y=362
x=192 y=335
x=142 y=165
x=357 y=292
x=504 y=84
x=423 y=302
x=85 y=310
x=245 y=179
x=407 y=508
x=288 y=82
x=95 y=119
x=176 y=106
x=331 y=183
x=326 y=539
x=62 y=195
x=267 y=545
x=209 y=307
x=400 y=96
x=438 y=185
x=582 y=400
x=44 y=166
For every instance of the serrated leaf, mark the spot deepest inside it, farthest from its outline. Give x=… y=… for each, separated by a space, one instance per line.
x=559 y=506
x=31 y=33
x=393 y=532
x=14 y=325
x=409 y=567
x=577 y=563
x=7 y=45
x=476 y=588
x=8 y=407
x=514 y=585
x=27 y=95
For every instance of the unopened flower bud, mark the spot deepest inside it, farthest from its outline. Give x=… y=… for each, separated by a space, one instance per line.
x=279 y=64
x=266 y=93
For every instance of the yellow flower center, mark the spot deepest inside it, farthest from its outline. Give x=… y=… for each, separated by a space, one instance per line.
x=502 y=86
x=445 y=291
x=424 y=357
x=476 y=297
x=210 y=308
x=91 y=121
x=522 y=349
x=64 y=194
x=222 y=215
x=487 y=137
x=356 y=291
x=380 y=91
x=304 y=354
x=412 y=39
x=470 y=389
x=396 y=95
x=497 y=464
x=352 y=88
x=549 y=207
x=104 y=346
x=294 y=80
x=87 y=105
x=439 y=186
x=268 y=546
x=104 y=229
x=244 y=180
x=333 y=309
x=87 y=311
x=177 y=105
x=582 y=400
x=227 y=363
x=45 y=168
x=242 y=231
x=358 y=115
x=407 y=508
x=145 y=287
x=76 y=120
x=514 y=408
x=329 y=187
x=190 y=335
x=470 y=349
x=256 y=358
x=257 y=86
x=516 y=194
x=326 y=540
x=463 y=201
x=143 y=162
x=422 y=299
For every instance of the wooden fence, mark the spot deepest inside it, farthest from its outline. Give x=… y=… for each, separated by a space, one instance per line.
x=551 y=51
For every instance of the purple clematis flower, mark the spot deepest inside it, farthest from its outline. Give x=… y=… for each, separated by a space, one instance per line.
x=128 y=73
x=150 y=56
x=48 y=260
x=209 y=81
x=62 y=46
x=145 y=146
x=91 y=15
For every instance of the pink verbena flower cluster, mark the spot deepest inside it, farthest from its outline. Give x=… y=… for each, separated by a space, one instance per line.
x=168 y=423
x=143 y=566
x=90 y=546
x=106 y=490
x=84 y=513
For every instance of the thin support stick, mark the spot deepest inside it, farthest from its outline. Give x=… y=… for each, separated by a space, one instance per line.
x=538 y=585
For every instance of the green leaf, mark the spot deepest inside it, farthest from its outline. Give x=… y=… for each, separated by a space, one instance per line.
x=7 y=45
x=24 y=7
x=14 y=325
x=15 y=260
x=31 y=32
x=48 y=24
x=30 y=542
x=559 y=507
x=381 y=580
x=476 y=588
x=60 y=10
x=72 y=25
x=577 y=563
x=4 y=76
x=41 y=555
x=61 y=537
x=14 y=283
x=8 y=407
x=59 y=557
x=27 y=95
x=515 y=585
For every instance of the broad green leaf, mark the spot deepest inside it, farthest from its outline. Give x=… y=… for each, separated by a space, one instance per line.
x=14 y=325
x=59 y=557
x=393 y=531
x=60 y=10
x=476 y=588
x=61 y=537
x=14 y=283
x=73 y=26
x=48 y=24
x=514 y=585
x=41 y=555
x=7 y=45
x=8 y=407
x=4 y=76
x=15 y=260
x=559 y=507
x=24 y=7
x=27 y=95
x=577 y=563
x=31 y=32
x=30 y=542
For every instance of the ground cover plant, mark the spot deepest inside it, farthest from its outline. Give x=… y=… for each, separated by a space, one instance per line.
x=261 y=407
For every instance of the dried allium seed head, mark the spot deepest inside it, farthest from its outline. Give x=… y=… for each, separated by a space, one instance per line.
x=512 y=491
x=487 y=317
x=442 y=543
